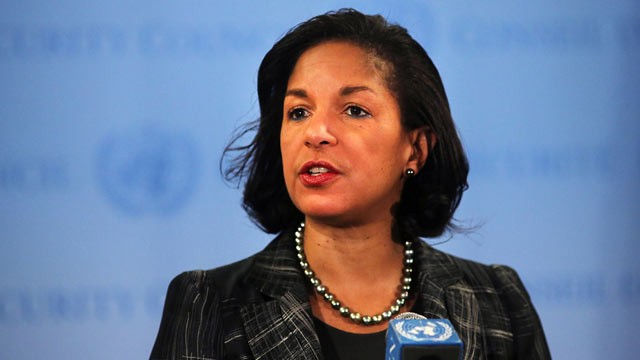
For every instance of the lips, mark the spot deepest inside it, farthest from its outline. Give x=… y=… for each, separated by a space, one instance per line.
x=317 y=173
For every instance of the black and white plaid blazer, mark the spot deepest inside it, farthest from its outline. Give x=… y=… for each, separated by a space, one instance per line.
x=258 y=308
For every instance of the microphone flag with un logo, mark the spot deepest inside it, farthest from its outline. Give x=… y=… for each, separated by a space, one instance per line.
x=411 y=336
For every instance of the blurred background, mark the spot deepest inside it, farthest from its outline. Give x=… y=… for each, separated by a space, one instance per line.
x=113 y=117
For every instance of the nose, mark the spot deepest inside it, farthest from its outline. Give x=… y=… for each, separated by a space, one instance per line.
x=320 y=131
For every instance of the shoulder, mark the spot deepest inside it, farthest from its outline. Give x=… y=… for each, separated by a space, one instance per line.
x=491 y=301
x=498 y=289
x=217 y=284
x=199 y=308
x=452 y=270
x=501 y=278
x=242 y=280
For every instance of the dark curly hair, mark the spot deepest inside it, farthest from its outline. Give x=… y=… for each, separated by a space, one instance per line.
x=428 y=200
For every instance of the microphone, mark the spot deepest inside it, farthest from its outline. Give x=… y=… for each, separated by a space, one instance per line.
x=411 y=336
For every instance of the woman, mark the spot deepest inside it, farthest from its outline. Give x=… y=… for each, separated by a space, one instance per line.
x=355 y=158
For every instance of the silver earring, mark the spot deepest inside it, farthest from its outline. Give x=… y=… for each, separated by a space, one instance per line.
x=409 y=172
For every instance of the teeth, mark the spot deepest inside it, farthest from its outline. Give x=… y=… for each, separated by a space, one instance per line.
x=318 y=170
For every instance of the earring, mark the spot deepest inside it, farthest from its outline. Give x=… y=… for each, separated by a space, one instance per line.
x=409 y=172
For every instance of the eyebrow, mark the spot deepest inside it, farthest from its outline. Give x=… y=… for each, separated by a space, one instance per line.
x=347 y=90
x=297 y=93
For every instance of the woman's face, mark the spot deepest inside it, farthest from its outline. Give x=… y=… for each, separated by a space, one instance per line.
x=344 y=149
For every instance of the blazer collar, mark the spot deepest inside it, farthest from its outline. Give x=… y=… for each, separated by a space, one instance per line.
x=276 y=271
x=282 y=326
x=435 y=266
x=436 y=272
x=444 y=293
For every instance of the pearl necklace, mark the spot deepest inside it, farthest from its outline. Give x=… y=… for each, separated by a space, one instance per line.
x=356 y=317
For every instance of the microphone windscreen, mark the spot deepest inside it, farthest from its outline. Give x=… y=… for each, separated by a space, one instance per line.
x=409 y=316
x=411 y=336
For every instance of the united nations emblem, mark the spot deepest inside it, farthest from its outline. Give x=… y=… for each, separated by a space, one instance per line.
x=147 y=170
x=424 y=329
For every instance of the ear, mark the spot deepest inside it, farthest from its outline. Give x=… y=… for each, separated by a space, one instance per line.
x=422 y=141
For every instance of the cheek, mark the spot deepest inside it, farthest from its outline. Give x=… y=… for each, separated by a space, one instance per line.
x=389 y=150
x=285 y=152
x=288 y=157
x=395 y=160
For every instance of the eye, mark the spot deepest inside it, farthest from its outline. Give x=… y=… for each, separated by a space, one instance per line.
x=298 y=113
x=357 y=112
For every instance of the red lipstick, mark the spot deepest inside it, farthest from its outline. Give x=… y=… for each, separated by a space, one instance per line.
x=317 y=173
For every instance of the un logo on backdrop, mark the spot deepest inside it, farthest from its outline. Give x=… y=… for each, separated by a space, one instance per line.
x=147 y=171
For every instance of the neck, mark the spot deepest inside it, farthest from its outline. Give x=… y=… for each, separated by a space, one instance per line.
x=360 y=251
x=361 y=266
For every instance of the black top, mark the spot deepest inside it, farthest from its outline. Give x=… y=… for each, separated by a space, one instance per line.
x=341 y=345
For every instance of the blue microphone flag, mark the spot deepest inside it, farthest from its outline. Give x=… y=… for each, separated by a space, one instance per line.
x=422 y=339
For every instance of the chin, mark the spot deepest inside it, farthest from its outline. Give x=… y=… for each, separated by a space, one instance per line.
x=325 y=214
x=337 y=212
x=336 y=217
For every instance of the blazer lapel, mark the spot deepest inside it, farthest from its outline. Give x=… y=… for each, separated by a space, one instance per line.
x=436 y=273
x=282 y=326
x=464 y=312
x=281 y=329
x=444 y=295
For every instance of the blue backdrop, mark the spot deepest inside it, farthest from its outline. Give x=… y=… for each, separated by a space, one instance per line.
x=113 y=116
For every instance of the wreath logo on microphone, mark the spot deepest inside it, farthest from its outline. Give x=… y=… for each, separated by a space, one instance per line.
x=425 y=329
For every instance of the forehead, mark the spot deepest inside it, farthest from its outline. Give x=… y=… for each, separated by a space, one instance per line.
x=344 y=59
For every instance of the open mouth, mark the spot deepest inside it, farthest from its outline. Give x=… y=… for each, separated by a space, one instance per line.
x=318 y=170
